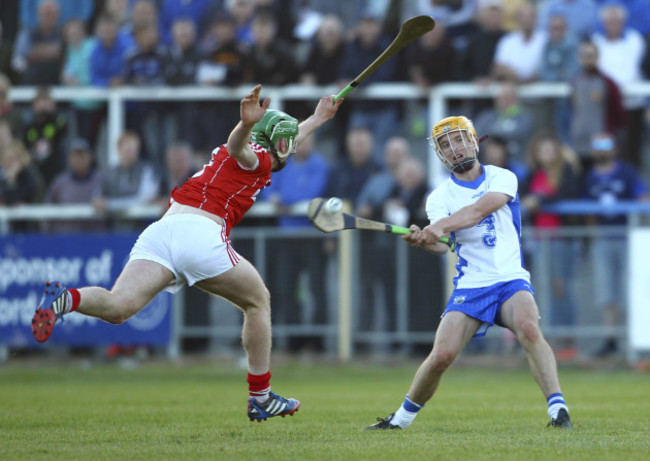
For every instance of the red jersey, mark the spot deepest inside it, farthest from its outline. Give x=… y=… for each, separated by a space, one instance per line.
x=224 y=188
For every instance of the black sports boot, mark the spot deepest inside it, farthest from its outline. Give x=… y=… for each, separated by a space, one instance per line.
x=383 y=424
x=562 y=420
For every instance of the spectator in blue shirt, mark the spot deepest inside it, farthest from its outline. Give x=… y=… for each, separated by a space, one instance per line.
x=610 y=180
x=304 y=178
x=581 y=15
x=69 y=9
x=107 y=58
x=194 y=10
x=144 y=65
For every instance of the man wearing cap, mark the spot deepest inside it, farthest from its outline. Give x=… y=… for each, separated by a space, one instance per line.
x=610 y=180
x=79 y=183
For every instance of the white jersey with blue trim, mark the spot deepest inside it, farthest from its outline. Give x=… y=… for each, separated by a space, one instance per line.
x=489 y=252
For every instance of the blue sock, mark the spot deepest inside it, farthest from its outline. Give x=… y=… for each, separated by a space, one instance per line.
x=555 y=404
x=411 y=406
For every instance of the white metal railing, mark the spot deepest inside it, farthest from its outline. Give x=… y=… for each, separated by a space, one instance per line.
x=37 y=213
x=436 y=97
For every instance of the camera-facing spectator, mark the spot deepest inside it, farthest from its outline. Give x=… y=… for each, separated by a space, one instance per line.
x=242 y=13
x=68 y=10
x=596 y=105
x=225 y=58
x=183 y=55
x=560 y=57
x=406 y=200
x=180 y=164
x=508 y=119
x=621 y=52
x=518 y=55
x=304 y=178
x=554 y=177
x=39 y=50
x=145 y=63
x=107 y=59
x=143 y=12
x=80 y=183
x=270 y=60
x=194 y=11
x=20 y=181
x=351 y=172
x=494 y=151
x=224 y=64
x=325 y=53
x=131 y=182
x=369 y=43
x=44 y=135
x=375 y=192
x=431 y=59
x=607 y=182
x=581 y=16
x=475 y=61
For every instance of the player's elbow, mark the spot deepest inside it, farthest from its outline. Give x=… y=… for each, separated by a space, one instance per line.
x=477 y=214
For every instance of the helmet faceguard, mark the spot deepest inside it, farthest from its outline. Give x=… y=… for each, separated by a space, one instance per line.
x=456 y=143
x=277 y=132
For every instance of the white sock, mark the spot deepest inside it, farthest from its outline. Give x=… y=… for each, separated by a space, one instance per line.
x=555 y=408
x=555 y=404
x=403 y=417
x=262 y=396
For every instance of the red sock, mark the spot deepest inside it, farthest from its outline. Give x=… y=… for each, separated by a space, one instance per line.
x=76 y=298
x=259 y=386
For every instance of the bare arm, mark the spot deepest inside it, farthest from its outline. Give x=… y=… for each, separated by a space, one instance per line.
x=250 y=112
x=462 y=219
x=325 y=110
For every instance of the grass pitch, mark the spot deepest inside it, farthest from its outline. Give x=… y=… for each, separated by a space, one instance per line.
x=198 y=412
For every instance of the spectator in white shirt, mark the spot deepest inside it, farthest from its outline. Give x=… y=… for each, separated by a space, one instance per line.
x=621 y=52
x=519 y=53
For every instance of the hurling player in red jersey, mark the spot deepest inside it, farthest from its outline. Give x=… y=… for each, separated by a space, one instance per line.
x=190 y=244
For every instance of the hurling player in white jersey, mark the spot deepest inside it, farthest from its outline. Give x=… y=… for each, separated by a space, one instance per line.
x=478 y=208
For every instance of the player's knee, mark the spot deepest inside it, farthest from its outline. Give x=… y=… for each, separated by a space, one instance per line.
x=528 y=331
x=441 y=359
x=119 y=310
x=260 y=299
x=116 y=316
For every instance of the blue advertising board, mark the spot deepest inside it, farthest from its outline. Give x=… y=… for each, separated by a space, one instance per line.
x=28 y=260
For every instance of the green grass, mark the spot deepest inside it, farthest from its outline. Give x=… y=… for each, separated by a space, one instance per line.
x=198 y=412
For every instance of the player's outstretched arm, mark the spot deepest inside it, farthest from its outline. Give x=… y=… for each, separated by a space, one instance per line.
x=325 y=110
x=250 y=112
x=464 y=218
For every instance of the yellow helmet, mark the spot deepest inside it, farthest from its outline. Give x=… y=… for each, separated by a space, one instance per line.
x=443 y=129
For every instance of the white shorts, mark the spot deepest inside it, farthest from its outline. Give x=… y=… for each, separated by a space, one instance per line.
x=193 y=247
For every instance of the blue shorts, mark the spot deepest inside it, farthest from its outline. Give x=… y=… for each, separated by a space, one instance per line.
x=484 y=304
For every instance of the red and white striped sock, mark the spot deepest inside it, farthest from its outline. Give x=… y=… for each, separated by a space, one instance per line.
x=73 y=298
x=259 y=386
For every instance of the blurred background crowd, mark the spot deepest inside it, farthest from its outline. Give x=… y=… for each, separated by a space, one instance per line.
x=590 y=145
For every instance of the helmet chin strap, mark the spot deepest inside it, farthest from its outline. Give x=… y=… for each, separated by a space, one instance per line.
x=464 y=166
